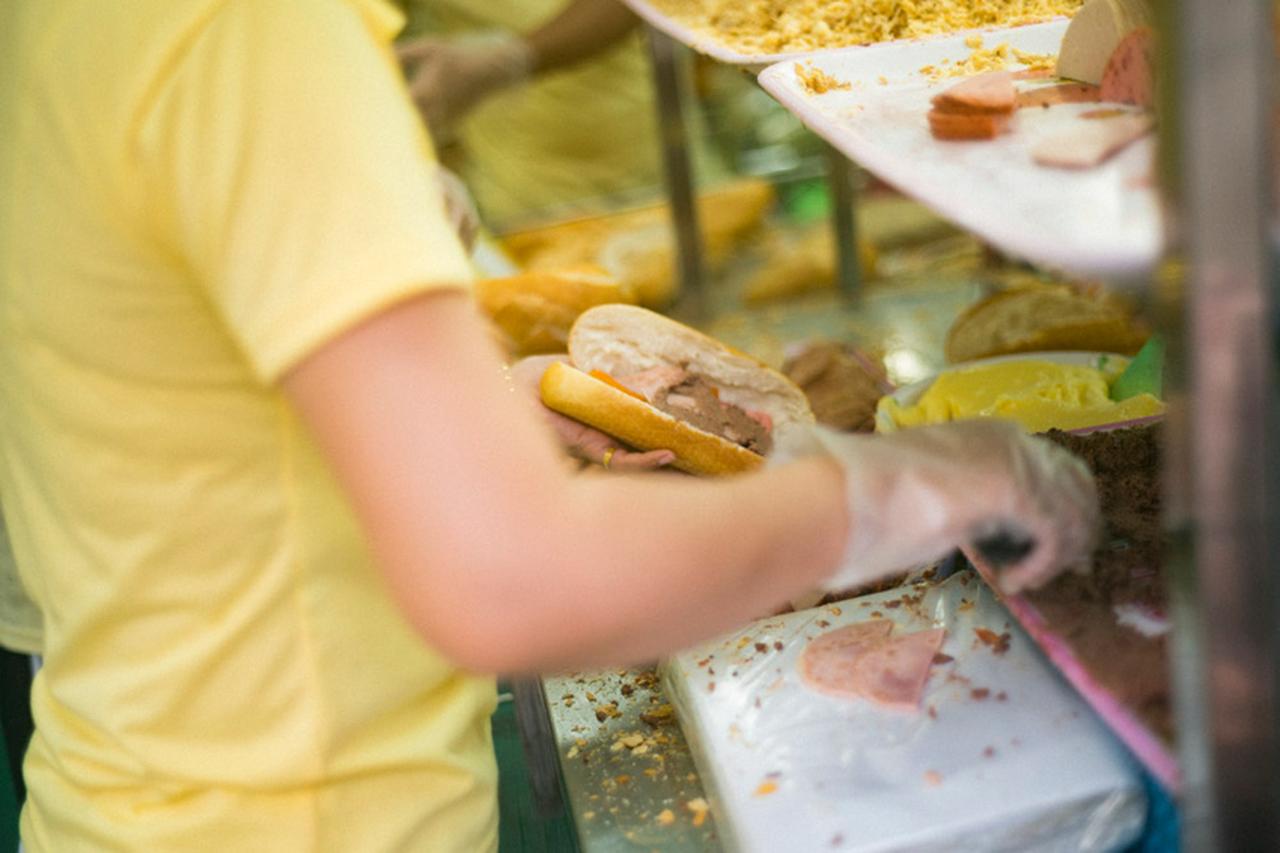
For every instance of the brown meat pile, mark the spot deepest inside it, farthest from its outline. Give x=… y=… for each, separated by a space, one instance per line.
x=696 y=402
x=842 y=387
x=1126 y=571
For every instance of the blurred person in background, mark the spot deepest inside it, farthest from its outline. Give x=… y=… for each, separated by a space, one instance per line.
x=282 y=514
x=542 y=106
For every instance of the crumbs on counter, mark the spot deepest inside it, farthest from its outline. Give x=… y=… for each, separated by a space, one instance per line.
x=607 y=711
x=932 y=778
x=815 y=81
x=980 y=693
x=662 y=715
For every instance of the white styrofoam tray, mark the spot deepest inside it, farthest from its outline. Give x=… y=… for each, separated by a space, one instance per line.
x=1002 y=755
x=1103 y=221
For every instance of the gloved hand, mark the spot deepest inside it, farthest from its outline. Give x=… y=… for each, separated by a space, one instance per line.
x=449 y=76
x=916 y=494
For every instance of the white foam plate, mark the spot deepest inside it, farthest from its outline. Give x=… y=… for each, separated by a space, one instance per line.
x=1101 y=222
x=1023 y=766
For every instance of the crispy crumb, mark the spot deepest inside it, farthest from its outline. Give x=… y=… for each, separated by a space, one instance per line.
x=658 y=716
x=932 y=778
x=765 y=788
x=980 y=693
x=780 y=26
x=998 y=643
x=666 y=817
x=815 y=81
x=996 y=58
x=699 y=808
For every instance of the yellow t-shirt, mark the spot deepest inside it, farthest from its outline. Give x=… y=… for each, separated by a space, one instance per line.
x=196 y=194
x=20 y=629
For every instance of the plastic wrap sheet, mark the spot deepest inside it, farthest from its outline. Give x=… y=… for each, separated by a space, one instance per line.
x=1001 y=754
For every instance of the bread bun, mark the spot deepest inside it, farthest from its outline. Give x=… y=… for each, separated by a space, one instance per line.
x=621 y=340
x=636 y=246
x=1043 y=318
x=535 y=310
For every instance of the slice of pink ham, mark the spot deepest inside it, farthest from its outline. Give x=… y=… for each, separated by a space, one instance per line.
x=1129 y=77
x=1091 y=143
x=992 y=92
x=894 y=672
x=829 y=662
x=647 y=383
x=1061 y=93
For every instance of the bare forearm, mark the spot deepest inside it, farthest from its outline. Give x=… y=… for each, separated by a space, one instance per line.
x=505 y=561
x=642 y=566
x=580 y=30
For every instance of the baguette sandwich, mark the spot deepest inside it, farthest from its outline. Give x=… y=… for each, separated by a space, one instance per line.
x=657 y=384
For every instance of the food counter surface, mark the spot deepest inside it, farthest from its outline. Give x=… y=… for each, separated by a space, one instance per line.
x=626 y=767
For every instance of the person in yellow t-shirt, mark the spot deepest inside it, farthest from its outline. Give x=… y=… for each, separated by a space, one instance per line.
x=277 y=506
x=550 y=102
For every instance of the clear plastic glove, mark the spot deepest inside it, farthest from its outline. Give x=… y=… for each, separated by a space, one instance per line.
x=916 y=494
x=449 y=76
x=582 y=441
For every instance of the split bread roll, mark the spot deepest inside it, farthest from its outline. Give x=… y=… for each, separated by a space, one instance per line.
x=534 y=311
x=627 y=362
x=1043 y=318
x=637 y=247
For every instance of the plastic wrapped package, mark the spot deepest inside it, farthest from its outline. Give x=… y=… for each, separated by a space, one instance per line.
x=1000 y=754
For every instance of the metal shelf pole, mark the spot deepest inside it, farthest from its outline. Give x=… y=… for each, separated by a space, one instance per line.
x=840 y=172
x=678 y=173
x=1222 y=475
